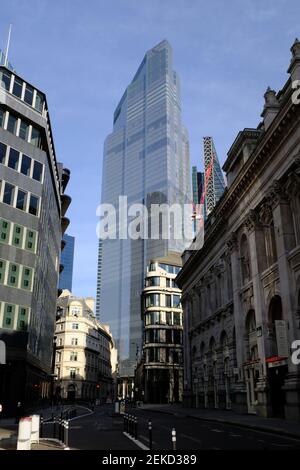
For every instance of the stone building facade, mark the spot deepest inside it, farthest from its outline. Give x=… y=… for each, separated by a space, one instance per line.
x=241 y=291
x=85 y=354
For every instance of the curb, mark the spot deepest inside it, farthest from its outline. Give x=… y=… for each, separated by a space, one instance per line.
x=253 y=427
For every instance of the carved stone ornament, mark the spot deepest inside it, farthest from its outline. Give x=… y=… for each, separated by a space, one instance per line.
x=232 y=242
x=251 y=220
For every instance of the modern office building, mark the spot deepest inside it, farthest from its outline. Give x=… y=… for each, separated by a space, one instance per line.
x=146 y=158
x=32 y=220
x=85 y=359
x=99 y=271
x=215 y=184
x=241 y=291
x=198 y=196
x=162 y=358
x=66 y=260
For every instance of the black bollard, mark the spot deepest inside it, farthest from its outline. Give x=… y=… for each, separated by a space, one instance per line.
x=41 y=426
x=135 y=427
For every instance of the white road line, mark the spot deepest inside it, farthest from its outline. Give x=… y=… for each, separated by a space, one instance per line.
x=146 y=439
x=137 y=442
x=191 y=438
x=235 y=435
x=216 y=430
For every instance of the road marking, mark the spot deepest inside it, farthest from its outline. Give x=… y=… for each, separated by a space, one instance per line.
x=146 y=439
x=137 y=442
x=235 y=435
x=191 y=438
x=216 y=430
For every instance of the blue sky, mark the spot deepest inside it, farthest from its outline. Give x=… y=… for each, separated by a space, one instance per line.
x=83 y=54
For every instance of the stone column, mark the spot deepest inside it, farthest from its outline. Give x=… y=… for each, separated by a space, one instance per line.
x=187 y=379
x=285 y=241
x=239 y=391
x=256 y=251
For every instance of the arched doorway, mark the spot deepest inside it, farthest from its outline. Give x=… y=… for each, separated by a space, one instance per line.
x=71 y=392
x=277 y=366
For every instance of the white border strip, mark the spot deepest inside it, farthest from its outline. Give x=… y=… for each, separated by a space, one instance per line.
x=136 y=441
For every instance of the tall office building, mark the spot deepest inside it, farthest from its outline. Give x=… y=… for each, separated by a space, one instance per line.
x=32 y=220
x=198 y=195
x=146 y=158
x=67 y=259
x=215 y=184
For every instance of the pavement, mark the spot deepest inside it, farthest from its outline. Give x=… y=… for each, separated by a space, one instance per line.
x=271 y=425
x=9 y=428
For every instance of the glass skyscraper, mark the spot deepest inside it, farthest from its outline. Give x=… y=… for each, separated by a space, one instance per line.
x=146 y=158
x=67 y=258
x=215 y=184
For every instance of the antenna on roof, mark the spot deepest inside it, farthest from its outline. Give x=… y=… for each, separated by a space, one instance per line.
x=7 y=47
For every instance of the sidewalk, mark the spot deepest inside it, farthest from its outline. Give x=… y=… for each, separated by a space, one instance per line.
x=271 y=425
x=9 y=427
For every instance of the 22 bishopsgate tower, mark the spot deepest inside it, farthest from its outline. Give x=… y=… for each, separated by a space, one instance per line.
x=146 y=159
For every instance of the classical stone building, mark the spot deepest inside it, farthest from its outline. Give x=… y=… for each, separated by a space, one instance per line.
x=85 y=354
x=241 y=291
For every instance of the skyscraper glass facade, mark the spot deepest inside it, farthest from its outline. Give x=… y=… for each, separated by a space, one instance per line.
x=215 y=183
x=67 y=259
x=146 y=158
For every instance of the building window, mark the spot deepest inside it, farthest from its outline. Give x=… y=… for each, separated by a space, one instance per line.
x=28 y=97
x=17 y=88
x=168 y=301
x=75 y=326
x=25 y=166
x=12 y=124
x=26 y=278
x=21 y=200
x=24 y=130
x=74 y=341
x=37 y=171
x=5 y=80
x=13 y=159
x=72 y=373
x=176 y=301
x=2 y=114
x=35 y=137
x=153 y=281
x=39 y=102
x=8 y=194
x=3 y=148
x=33 y=205
x=153 y=300
x=73 y=356
x=17 y=235
x=2 y=271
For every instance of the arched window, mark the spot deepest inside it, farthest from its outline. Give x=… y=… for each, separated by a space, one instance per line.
x=266 y=218
x=245 y=260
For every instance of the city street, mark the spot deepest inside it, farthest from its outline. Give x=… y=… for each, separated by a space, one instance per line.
x=102 y=431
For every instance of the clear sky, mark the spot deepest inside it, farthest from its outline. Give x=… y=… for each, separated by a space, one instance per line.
x=83 y=54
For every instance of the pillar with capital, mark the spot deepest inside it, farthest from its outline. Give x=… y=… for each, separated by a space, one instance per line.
x=285 y=242
x=239 y=402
